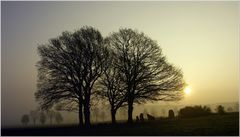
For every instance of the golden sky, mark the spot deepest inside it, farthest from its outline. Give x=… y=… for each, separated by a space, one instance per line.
x=202 y=38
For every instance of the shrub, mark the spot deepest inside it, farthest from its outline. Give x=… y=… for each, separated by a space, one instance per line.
x=220 y=109
x=194 y=111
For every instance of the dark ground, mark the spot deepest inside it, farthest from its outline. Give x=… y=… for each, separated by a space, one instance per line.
x=220 y=125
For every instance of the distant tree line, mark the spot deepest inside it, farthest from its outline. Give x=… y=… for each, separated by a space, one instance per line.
x=196 y=111
x=42 y=117
x=125 y=68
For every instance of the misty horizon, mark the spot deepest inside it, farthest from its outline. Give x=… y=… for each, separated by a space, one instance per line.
x=200 y=38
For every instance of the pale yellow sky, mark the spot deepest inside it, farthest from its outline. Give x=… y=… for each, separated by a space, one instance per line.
x=202 y=38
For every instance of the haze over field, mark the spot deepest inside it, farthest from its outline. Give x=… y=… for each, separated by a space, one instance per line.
x=201 y=38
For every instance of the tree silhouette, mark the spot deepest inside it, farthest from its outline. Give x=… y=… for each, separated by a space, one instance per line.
x=93 y=64
x=145 y=72
x=194 y=111
x=42 y=118
x=58 y=117
x=71 y=64
x=69 y=67
x=110 y=87
x=141 y=117
x=58 y=75
x=220 y=109
x=25 y=119
x=34 y=116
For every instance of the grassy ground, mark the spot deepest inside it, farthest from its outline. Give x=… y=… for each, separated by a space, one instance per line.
x=227 y=124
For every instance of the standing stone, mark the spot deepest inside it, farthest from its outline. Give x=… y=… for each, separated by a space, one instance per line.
x=170 y=113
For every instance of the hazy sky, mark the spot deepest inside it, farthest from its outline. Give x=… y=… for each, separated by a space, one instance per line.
x=199 y=37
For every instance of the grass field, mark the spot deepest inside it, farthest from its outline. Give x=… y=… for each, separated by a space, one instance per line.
x=227 y=124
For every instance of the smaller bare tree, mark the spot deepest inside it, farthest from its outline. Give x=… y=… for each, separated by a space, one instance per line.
x=111 y=88
x=220 y=109
x=145 y=72
x=34 y=116
x=25 y=119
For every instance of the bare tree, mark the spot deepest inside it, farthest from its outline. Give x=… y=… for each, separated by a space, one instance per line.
x=59 y=80
x=145 y=72
x=34 y=116
x=94 y=60
x=25 y=119
x=70 y=65
x=111 y=88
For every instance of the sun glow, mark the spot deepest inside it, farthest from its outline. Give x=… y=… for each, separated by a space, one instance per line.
x=187 y=90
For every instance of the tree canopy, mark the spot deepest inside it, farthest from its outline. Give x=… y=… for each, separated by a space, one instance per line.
x=144 y=70
x=70 y=65
x=128 y=65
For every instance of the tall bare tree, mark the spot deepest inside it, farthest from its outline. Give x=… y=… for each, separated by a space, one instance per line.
x=58 y=74
x=69 y=66
x=34 y=115
x=111 y=87
x=146 y=73
x=94 y=60
x=25 y=119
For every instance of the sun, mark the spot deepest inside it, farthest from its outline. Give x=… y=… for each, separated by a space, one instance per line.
x=187 y=90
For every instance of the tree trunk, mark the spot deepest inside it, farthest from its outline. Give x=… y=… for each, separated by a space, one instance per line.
x=80 y=114
x=113 y=114
x=87 y=113
x=130 y=111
